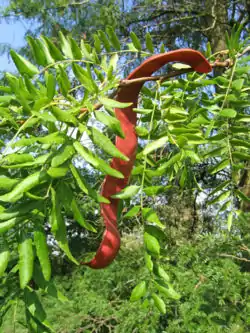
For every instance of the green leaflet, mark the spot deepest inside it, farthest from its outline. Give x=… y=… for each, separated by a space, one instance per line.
x=25 y=185
x=127 y=192
x=220 y=187
x=6 y=114
x=26 y=260
x=47 y=286
x=218 y=137
x=150 y=215
x=37 y=51
x=111 y=103
x=169 y=291
x=243 y=117
x=135 y=41
x=241 y=156
x=159 y=271
x=159 y=303
x=64 y=116
x=86 y=50
x=111 y=122
x=137 y=170
x=228 y=113
x=193 y=156
x=104 y=40
x=4 y=256
x=77 y=53
x=223 y=196
x=19 y=210
x=132 y=212
x=35 y=312
x=34 y=92
x=40 y=160
x=54 y=51
x=139 y=291
x=155 y=145
x=17 y=158
x=71 y=205
x=141 y=131
x=176 y=158
x=142 y=111
x=215 y=152
x=240 y=143
x=63 y=81
x=65 y=46
x=149 y=43
x=50 y=85
x=53 y=138
x=85 y=187
x=58 y=226
x=242 y=196
x=148 y=261
x=42 y=252
x=237 y=84
x=151 y=243
x=6 y=98
x=79 y=217
x=113 y=38
x=58 y=172
x=23 y=66
x=7 y=183
x=5 y=226
x=96 y=162
x=229 y=221
x=65 y=153
x=220 y=166
x=86 y=80
x=106 y=145
x=237 y=129
x=97 y=43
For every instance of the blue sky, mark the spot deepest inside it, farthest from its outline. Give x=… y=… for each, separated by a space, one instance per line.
x=13 y=34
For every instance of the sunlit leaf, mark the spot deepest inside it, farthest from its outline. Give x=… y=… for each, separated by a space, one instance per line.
x=139 y=291
x=159 y=303
x=23 y=65
x=26 y=260
x=127 y=192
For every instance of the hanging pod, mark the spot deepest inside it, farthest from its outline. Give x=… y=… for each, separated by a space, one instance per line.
x=110 y=244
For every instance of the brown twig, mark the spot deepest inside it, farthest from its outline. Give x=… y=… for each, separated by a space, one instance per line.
x=233 y=257
x=160 y=78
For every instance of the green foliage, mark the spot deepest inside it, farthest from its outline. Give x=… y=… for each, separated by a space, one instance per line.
x=49 y=112
x=213 y=292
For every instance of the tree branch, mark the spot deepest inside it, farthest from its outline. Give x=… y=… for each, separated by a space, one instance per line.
x=233 y=257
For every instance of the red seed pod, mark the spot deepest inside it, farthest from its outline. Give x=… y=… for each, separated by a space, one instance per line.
x=110 y=244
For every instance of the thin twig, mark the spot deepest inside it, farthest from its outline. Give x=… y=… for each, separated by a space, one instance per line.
x=233 y=257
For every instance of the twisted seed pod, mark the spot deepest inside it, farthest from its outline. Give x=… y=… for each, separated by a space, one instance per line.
x=110 y=244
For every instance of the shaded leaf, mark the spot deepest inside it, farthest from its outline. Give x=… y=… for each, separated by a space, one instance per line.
x=23 y=66
x=42 y=252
